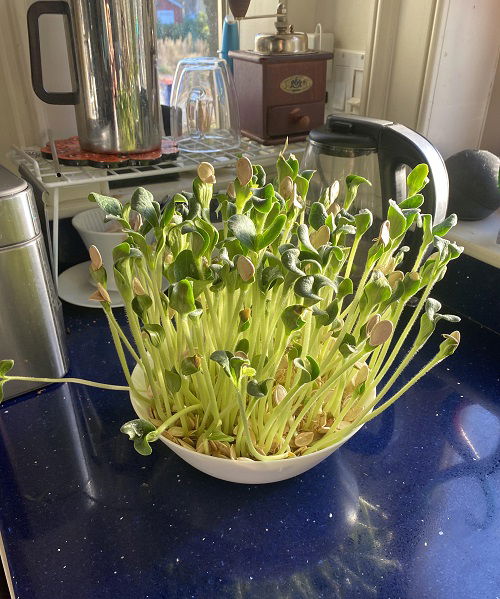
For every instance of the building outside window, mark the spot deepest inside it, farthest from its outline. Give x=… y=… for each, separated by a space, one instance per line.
x=184 y=28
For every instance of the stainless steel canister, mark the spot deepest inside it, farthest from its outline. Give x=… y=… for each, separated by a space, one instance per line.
x=31 y=325
x=113 y=49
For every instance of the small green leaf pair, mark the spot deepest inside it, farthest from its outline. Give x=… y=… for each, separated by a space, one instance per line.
x=142 y=433
x=5 y=366
x=243 y=228
x=234 y=366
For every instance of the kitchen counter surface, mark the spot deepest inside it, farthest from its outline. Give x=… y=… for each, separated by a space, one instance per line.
x=408 y=508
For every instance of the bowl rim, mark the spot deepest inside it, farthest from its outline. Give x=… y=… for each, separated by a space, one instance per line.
x=79 y=227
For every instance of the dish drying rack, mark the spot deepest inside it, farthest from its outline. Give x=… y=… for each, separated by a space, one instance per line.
x=44 y=172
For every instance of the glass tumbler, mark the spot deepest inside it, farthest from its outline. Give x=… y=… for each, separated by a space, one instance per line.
x=204 y=113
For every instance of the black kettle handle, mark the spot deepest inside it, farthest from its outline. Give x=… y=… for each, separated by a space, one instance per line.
x=35 y=11
x=399 y=146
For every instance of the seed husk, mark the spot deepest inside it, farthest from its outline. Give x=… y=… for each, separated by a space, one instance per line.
x=303 y=439
x=375 y=319
x=185 y=445
x=244 y=171
x=333 y=208
x=95 y=258
x=135 y=221
x=206 y=172
x=176 y=431
x=383 y=234
x=202 y=445
x=245 y=267
x=361 y=375
x=168 y=436
x=137 y=287
x=286 y=187
x=320 y=237
x=381 y=332
x=223 y=448
x=279 y=394
x=101 y=295
x=394 y=277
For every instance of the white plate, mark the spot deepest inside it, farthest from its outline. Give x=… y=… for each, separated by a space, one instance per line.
x=74 y=286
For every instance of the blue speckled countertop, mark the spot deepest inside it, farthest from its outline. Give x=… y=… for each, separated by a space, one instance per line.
x=408 y=508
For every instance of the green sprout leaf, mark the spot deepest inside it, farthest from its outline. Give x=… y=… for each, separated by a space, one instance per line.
x=222 y=358
x=290 y=260
x=243 y=228
x=259 y=175
x=242 y=345
x=352 y=183
x=363 y=220
x=184 y=267
x=155 y=333
x=309 y=286
x=142 y=201
x=107 y=204
x=271 y=233
x=417 y=179
x=302 y=186
x=181 y=297
x=269 y=277
x=256 y=389
x=139 y=431
x=308 y=373
x=449 y=345
x=141 y=304
x=317 y=215
x=414 y=201
x=173 y=381
x=167 y=213
x=305 y=243
x=291 y=318
x=443 y=227
x=328 y=315
x=397 y=220
x=191 y=365
x=5 y=366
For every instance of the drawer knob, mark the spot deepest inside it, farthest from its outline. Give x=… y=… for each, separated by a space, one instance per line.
x=299 y=119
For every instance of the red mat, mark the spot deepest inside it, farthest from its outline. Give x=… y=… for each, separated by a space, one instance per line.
x=70 y=153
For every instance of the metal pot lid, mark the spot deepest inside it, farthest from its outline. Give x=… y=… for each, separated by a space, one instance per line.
x=285 y=40
x=10 y=184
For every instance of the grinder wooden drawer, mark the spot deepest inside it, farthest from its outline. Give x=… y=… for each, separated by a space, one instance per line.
x=294 y=118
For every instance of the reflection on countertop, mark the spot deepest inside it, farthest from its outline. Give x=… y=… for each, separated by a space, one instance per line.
x=407 y=508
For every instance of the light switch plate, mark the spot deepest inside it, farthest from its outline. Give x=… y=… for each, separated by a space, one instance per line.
x=348 y=66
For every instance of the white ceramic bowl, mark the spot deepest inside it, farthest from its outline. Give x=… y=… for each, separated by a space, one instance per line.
x=239 y=471
x=92 y=229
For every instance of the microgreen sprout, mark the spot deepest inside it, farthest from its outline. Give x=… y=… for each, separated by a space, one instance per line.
x=263 y=347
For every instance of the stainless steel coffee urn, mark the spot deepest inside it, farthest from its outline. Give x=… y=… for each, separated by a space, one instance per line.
x=113 y=47
x=31 y=325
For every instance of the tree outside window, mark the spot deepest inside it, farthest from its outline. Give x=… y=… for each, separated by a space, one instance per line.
x=185 y=28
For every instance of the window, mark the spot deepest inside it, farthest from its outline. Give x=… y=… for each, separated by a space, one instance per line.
x=184 y=28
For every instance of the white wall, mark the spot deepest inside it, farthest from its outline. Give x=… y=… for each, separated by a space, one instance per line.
x=456 y=105
x=491 y=131
x=349 y=20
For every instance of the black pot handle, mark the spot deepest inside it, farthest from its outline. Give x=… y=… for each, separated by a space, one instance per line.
x=399 y=146
x=35 y=11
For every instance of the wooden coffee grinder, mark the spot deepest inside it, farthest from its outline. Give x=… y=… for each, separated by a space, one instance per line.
x=280 y=85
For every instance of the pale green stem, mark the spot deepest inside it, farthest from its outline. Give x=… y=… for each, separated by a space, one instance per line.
x=68 y=380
